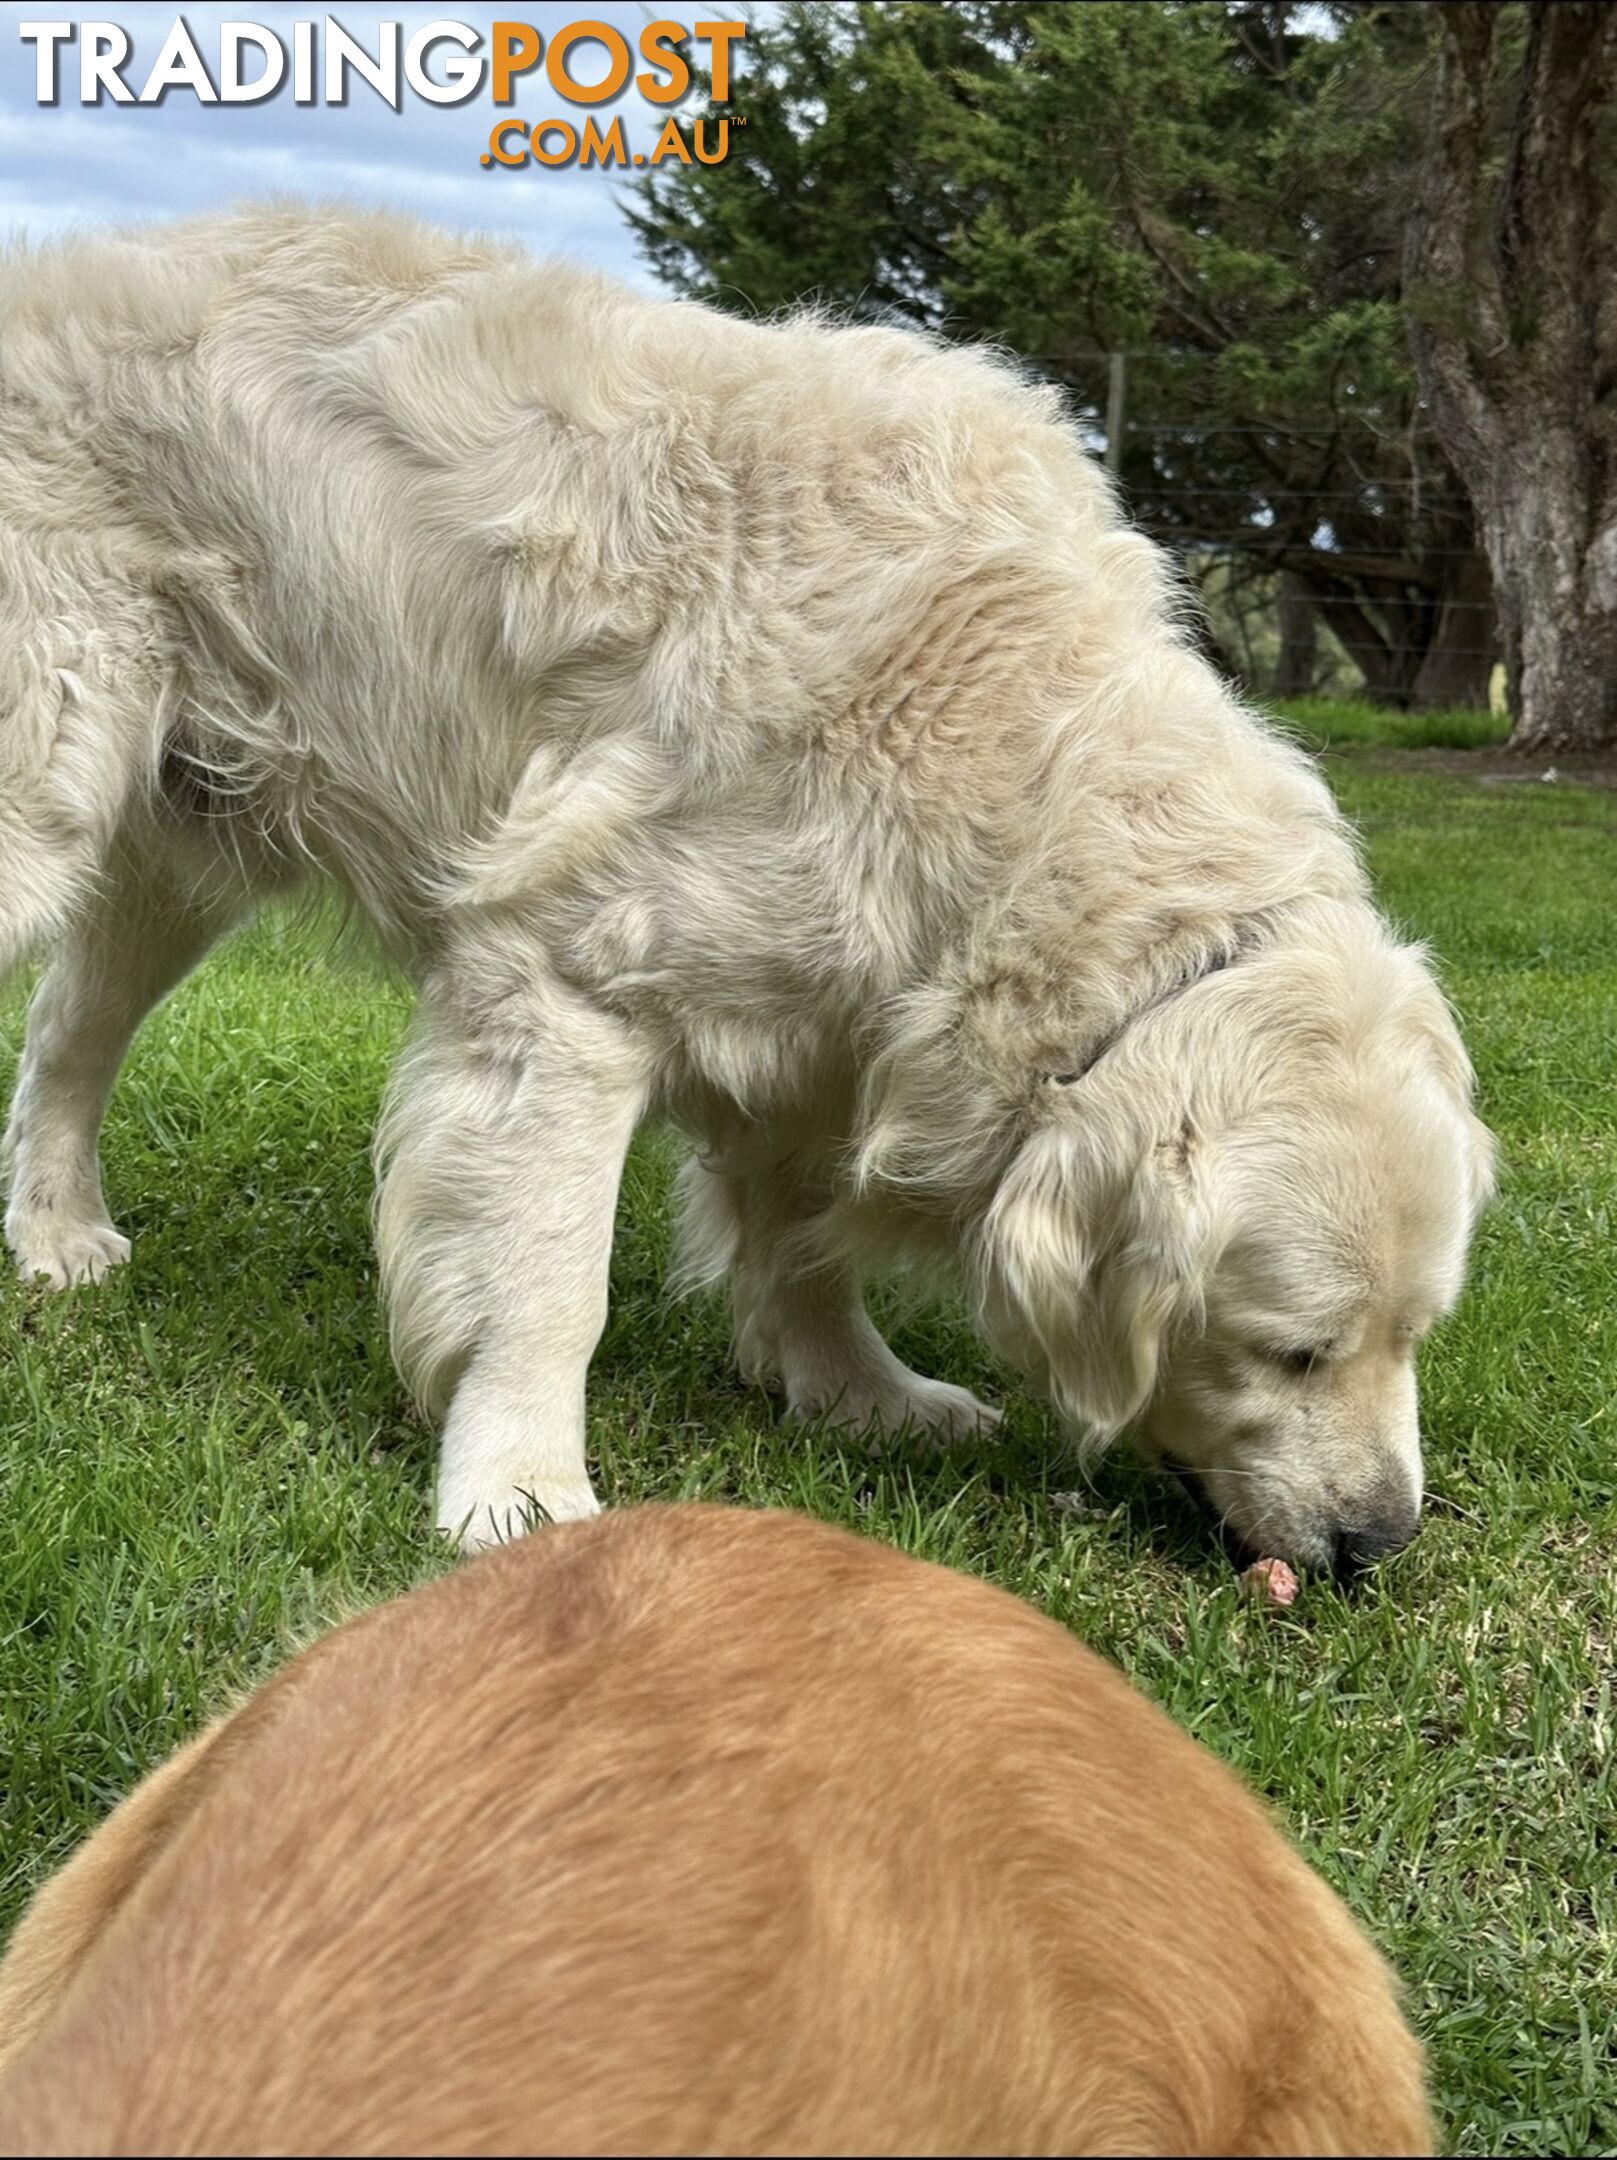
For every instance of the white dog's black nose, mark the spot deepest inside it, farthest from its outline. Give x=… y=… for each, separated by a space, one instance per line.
x=1358 y=1546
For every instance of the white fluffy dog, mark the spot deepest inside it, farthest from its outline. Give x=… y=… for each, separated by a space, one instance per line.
x=768 y=726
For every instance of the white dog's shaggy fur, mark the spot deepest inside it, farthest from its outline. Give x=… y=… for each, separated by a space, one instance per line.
x=771 y=726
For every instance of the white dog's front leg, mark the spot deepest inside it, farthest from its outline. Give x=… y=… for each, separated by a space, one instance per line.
x=508 y=1463
x=503 y=1141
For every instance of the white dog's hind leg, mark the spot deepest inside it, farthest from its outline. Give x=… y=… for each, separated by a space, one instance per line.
x=79 y=742
x=128 y=947
x=502 y=1147
x=799 y=1317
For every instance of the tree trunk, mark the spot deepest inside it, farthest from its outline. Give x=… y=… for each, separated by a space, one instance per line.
x=1457 y=667
x=1298 y=658
x=1387 y=654
x=1386 y=674
x=1515 y=333
x=1560 y=617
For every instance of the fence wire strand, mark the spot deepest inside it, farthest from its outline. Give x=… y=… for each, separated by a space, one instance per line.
x=1378 y=602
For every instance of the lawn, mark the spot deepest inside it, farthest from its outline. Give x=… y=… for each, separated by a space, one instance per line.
x=205 y=1456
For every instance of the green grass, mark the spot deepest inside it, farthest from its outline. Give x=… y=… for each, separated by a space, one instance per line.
x=1340 y=723
x=210 y=1452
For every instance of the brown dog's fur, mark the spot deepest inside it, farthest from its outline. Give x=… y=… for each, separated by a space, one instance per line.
x=688 y=1830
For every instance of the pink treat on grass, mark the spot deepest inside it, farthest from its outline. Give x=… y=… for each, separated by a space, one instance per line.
x=1269 y=1582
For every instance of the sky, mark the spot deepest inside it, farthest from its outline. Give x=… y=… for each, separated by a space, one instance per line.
x=73 y=165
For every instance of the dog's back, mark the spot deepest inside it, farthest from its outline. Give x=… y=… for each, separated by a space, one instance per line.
x=696 y=1831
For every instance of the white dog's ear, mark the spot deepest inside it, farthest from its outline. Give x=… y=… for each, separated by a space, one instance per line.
x=1087 y=1254
x=1482 y=1156
x=1440 y=1038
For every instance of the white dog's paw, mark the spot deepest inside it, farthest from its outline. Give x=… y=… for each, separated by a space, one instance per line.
x=953 y=1413
x=478 y=1520
x=61 y=1251
x=907 y=1404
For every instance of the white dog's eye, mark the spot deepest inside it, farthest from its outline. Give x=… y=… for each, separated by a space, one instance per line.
x=1298 y=1361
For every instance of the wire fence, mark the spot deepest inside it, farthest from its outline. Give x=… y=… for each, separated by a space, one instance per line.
x=1332 y=551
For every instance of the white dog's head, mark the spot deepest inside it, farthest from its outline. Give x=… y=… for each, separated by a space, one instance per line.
x=1233 y=1229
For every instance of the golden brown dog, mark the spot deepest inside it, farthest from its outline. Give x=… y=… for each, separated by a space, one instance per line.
x=696 y=1831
